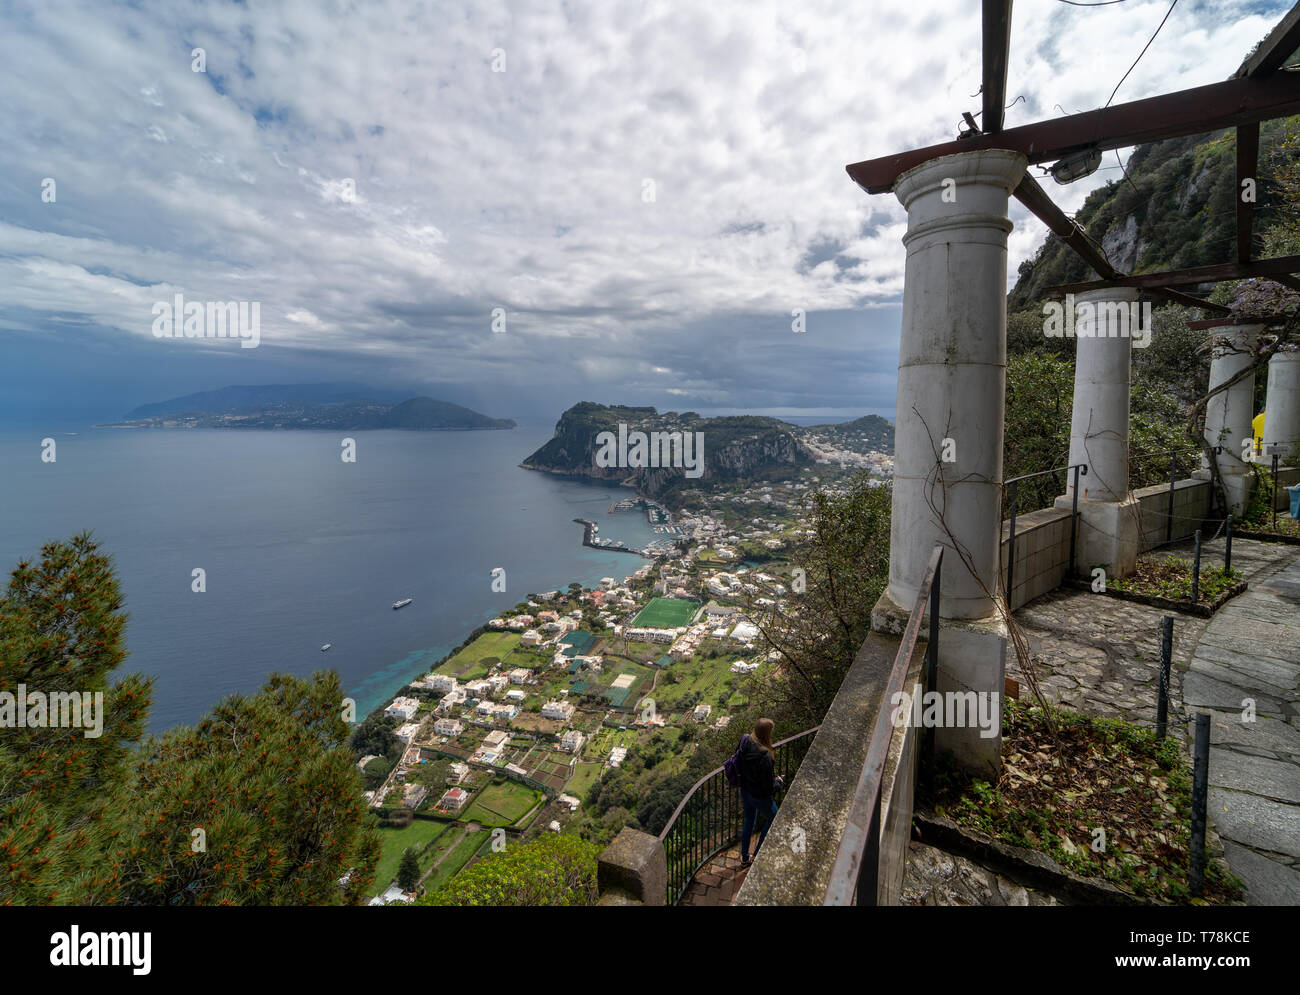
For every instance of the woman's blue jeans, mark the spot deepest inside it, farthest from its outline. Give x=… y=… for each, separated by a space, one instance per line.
x=754 y=807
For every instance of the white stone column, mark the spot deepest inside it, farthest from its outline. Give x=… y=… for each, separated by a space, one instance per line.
x=1282 y=407
x=949 y=426
x=1229 y=413
x=1109 y=526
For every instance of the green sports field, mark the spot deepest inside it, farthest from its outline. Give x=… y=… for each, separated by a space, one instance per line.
x=666 y=613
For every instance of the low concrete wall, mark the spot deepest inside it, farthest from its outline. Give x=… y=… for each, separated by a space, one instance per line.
x=1042 y=553
x=1192 y=500
x=794 y=865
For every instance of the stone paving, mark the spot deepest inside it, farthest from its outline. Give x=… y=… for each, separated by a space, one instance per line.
x=1249 y=654
x=1102 y=655
x=717 y=881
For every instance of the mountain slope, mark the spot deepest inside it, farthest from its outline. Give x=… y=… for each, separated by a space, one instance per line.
x=242 y=397
x=336 y=406
x=1176 y=209
x=745 y=447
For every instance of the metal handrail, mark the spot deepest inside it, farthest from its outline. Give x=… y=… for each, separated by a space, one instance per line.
x=721 y=829
x=1080 y=470
x=857 y=863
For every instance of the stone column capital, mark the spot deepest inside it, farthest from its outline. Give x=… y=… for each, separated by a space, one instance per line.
x=993 y=167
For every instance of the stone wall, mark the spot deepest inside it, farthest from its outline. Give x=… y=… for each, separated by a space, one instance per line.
x=1042 y=553
x=794 y=865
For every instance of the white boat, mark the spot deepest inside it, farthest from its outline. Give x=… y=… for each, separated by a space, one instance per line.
x=403 y=603
x=325 y=647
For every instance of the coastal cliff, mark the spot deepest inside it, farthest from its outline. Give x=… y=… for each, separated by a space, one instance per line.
x=745 y=447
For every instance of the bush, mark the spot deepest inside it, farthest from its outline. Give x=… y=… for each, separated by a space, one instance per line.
x=551 y=870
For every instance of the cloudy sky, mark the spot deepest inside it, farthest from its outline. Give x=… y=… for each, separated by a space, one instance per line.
x=647 y=189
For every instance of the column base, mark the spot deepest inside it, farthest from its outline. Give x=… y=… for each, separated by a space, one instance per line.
x=1237 y=487
x=1107 y=537
x=972 y=680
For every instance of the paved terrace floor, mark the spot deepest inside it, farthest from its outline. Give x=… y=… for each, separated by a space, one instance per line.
x=1101 y=655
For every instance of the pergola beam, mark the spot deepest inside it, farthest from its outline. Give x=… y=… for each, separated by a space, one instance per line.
x=1247 y=159
x=1282 y=266
x=997 y=43
x=1195 y=111
x=1034 y=197
x=1273 y=50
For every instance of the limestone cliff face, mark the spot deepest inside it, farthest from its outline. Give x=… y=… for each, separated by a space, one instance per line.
x=734 y=448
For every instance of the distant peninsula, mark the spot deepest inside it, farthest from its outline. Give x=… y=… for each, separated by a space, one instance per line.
x=346 y=407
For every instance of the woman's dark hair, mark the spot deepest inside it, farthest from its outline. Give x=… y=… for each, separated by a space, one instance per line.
x=763 y=734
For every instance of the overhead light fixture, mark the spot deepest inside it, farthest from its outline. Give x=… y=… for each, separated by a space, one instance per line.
x=1076 y=166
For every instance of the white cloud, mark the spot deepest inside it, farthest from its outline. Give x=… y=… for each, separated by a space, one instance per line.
x=523 y=189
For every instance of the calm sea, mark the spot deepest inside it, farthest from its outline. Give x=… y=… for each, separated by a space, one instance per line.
x=301 y=549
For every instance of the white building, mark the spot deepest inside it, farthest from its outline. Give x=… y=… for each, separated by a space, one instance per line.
x=617 y=755
x=520 y=676
x=514 y=694
x=571 y=741
x=561 y=710
x=407 y=732
x=454 y=799
x=403 y=708
x=702 y=712
x=442 y=682
x=413 y=794
x=531 y=638
x=496 y=737
x=457 y=773
x=448 y=727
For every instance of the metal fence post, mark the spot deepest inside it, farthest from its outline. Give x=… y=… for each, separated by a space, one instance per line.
x=1200 y=783
x=1275 y=456
x=1080 y=470
x=1196 y=569
x=1227 y=547
x=1173 y=476
x=1011 y=552
x=1166 y=658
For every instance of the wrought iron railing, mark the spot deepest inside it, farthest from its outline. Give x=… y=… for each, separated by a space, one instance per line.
x=708 y=820
x=856 y=872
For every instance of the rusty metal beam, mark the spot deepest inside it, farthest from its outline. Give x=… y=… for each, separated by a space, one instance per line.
x=1186 y=112
x=997 y=43
x=1034 y=197
x=1281 y=42
x=1247 y=159
x=1268 y=268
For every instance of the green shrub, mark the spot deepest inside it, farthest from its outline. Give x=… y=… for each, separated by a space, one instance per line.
x=550 y=870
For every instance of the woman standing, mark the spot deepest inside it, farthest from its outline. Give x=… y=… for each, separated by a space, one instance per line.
x=758 y=784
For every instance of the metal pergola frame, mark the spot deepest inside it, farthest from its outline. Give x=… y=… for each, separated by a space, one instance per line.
x=1260 y=90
